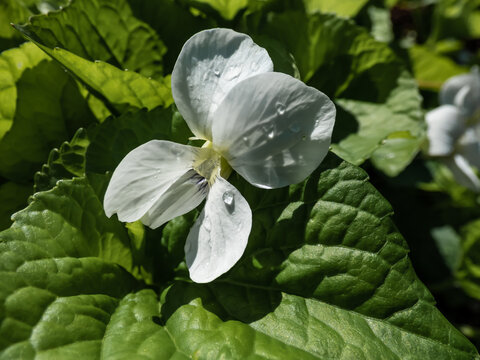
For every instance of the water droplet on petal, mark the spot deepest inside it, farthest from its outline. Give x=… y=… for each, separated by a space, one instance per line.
x=294 y=127
x=271 y=134
x=19 y=64
x=227 y=197
x=232 y=72
x=216 y=72
x=280 y=108
x=246 y=140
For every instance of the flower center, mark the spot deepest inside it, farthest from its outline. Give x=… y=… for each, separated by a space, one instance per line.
x=209 y=164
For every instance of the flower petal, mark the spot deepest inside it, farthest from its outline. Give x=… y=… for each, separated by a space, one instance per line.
x=445 y=125
x=462 y=172
x=183 y=195
x=469 y=146
x=209 y=65
x=219 y=237
x=144 y=175
x=462 y=91
x=273 y=129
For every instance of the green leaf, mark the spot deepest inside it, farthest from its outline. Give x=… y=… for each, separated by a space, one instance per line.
x=80 y=228
x=431 y=70
x=164 y=16
x=346 y=8
x=12 y=65
x=454 y=19
x=13 y=197
x=377 y=99
x=468 y=273
x=11 y=11
x=226 y=8
x=64 y=163
x=390 y=134
x=120 y=90
x=101 y=30
x=48 y=102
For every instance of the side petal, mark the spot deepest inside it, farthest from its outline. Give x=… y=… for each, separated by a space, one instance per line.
x=219 y=237
x=273 y=129
x=445 y=125
x=144 y=175
x=469 y=146
x=183 y=195
x=462 y=172
x=210 y=64
x=463 y=91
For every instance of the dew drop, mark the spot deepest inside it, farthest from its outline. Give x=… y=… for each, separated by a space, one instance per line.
x=216 y=72
x=227 y=198
x=246 y=140
x=232 y=72
x=294 y=127
x=271 y=134
x=280 y=108
x=126 y=69
x=19 y=65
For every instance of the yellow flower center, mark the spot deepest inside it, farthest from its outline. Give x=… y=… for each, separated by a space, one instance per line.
x=209 y=164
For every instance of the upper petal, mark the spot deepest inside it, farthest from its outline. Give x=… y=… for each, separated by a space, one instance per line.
x=273 y=129
x=144 y=175
x=445 y=125
x=462 y=91
x=210 y=64
x=219 y=237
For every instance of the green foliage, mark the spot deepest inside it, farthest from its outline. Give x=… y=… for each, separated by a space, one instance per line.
x=64 y=163
x=103 y=30
x=431 y=70
x=226 y=8
x=12 y=65
x=469 y=271
x=48 y=102
x=120 y=90
x=346 y=8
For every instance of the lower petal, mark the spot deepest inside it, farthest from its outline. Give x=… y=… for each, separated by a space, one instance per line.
x=462 y=172
x=219 y=237
x=183 y=195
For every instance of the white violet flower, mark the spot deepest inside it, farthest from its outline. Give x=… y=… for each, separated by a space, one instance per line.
x=454 y=128
x=269 y=127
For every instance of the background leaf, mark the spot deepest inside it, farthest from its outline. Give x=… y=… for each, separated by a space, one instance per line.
x=49 y=108
x=101 y=30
